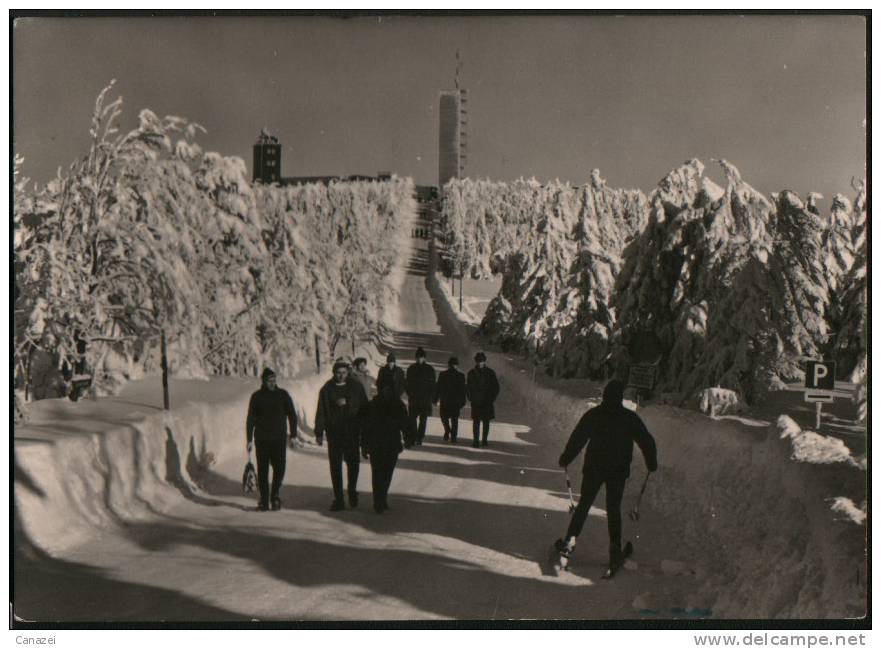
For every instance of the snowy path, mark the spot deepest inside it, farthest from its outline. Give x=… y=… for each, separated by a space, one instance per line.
x=466 y=537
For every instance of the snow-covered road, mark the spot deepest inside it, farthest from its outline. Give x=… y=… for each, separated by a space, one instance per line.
x=467 y=536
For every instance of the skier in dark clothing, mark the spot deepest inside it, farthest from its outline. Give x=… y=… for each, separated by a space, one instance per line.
x=270 y=413
x=450 y=391
x=387 y=420
x=341 y=408
x=609 y=431
x=390 y=372
x=483 y=389
x=420 y=391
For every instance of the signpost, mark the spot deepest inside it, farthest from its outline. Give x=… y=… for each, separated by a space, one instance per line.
x=641 y=377
x=819 y=384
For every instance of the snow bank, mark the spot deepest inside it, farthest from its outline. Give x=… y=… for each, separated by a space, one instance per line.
x=753 y=526
x=808 y=446
x=84 y=468
x=846 y=507
x=720 y=401
x=466 y=315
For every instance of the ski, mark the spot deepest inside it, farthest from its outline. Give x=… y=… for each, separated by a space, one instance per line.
x=615 y=567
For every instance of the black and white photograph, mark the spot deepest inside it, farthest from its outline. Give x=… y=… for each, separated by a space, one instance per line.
x=440 y=319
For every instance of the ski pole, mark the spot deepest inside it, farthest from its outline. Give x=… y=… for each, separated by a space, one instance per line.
x=569 y=488
x=634 y=513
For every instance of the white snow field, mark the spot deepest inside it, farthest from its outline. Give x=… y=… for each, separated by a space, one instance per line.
x=124 y=512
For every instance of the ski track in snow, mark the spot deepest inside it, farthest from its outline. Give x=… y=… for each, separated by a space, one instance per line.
x=467 y=536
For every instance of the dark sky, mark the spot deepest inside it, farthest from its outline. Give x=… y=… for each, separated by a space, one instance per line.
x=782 y=98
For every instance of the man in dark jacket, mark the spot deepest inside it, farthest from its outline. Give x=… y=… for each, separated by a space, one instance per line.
x=483 y=389
x=420 y=391
x=341 y=408
x=450 y=391
x=270 y=413
x=387 y=420
x=609 y=431
x=390 y=372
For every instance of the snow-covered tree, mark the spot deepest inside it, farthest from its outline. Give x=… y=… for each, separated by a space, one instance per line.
x=666 y=267
x=585 y=318
x=148 y=233
x=101 y=266
x=800 y=290
x=838 y=259
x=773 y=316
x=851 y=348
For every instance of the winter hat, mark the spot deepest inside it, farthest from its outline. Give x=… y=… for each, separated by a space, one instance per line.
x=613 y=394
x=390 y=358
x=340 y=363
x=453 y=361
x=480 y=357
x=267 y=373
x=420 y=353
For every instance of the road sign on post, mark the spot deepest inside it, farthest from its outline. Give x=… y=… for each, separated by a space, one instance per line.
x=641 y=376
x=820 y=375
x=819 y=381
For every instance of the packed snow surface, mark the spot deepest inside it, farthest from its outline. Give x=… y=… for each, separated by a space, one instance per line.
x=126 y=512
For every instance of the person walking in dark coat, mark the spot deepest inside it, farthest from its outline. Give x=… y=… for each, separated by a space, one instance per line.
x=609 y=431
x=270 y=413
x=482 y=388
x=390 y=372
x=420 y=391
x=387 y=421
x=341 y=409
x=450 y=392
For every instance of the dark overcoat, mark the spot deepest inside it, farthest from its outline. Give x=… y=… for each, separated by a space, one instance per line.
x=393 y=377
x=482 y=388
x=450 y=392
x=420 y=388
x=386 y=422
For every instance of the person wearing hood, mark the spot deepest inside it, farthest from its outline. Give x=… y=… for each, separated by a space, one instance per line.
x=450 y=392
x=609 y=431
x=482 y=388
x=387 y=420
x=390 y=372
x=340 y=414
x=420 y=391
x=271 y=413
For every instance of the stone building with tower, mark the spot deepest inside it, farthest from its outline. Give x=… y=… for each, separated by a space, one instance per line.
x=267 y=159
x=267 y=166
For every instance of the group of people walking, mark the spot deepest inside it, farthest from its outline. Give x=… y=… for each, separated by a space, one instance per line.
x=378 y=428
x=381 y=427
